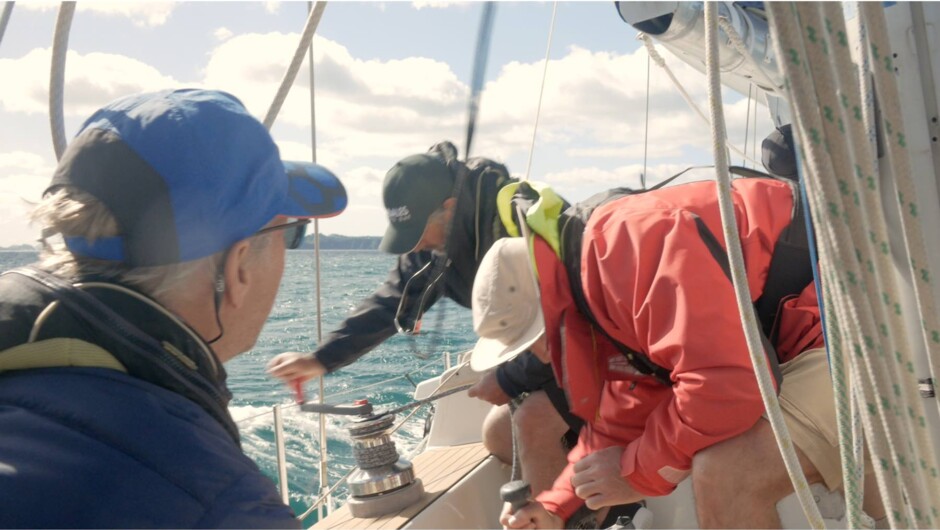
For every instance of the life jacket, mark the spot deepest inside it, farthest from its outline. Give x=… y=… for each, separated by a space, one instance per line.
x=789 y=273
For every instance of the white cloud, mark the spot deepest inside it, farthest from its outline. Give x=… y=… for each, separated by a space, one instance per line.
x=372 y=112
x=23 y=177
x=434 y=4
x=364 y=107
x=91 y=80
x=142 y=14
x=222 y=34
x=272 y=6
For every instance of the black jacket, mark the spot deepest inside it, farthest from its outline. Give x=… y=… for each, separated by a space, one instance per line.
x=475 y=227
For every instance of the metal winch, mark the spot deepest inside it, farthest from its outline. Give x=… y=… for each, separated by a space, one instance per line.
x=384 y=483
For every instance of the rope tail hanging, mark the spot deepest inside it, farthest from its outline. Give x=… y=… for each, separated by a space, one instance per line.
x=739 y=277
x=479 y=71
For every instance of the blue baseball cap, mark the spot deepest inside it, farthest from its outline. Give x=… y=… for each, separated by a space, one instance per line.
x=186 y=173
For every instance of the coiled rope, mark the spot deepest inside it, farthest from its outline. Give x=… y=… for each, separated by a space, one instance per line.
x=739 y=275
x=866 y=316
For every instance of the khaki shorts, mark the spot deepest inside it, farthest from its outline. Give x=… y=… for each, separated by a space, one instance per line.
x=809 y=411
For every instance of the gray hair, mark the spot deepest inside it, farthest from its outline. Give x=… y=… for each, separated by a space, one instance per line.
x=70 y=212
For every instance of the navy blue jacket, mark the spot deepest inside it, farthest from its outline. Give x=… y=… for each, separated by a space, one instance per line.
x=93 y=448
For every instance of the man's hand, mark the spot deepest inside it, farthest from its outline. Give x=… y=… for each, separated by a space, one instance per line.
x=488 y=389
x=532 y=515
x=597 y=480
x=295 y=366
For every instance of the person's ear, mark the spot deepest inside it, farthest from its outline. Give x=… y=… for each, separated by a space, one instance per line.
x=237 y=273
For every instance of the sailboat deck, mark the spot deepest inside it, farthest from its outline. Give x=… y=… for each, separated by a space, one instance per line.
x=439 y=469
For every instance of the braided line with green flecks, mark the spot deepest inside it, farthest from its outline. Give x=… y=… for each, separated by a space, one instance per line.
x=809 y=95
x=899 y=157
x=800 y=84
x=739 y=275
x=861 y=278
x=857 y=149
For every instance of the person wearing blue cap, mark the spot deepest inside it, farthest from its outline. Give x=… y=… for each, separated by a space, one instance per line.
x=164 y=236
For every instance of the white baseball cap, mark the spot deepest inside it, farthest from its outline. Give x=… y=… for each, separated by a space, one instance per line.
x=507 y=314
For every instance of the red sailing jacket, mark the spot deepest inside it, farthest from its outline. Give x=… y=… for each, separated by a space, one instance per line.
x=653 y=285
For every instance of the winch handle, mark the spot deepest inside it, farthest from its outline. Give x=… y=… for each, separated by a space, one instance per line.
x=517 y=493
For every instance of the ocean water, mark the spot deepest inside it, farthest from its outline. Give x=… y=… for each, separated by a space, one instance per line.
x=346 y=276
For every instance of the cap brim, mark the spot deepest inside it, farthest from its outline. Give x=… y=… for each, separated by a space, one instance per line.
x=314 y=191
x=490 y=352
x=401 y=239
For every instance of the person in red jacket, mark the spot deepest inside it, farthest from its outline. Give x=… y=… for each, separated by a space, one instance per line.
x=654 y=284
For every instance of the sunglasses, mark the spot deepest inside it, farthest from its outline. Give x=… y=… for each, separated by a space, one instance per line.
x=293 y=232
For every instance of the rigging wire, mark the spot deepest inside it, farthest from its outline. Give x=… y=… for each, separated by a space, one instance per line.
x=60 y=45
x=646 y=129
x=324 y=452
x=479 y=71
x=658 y=59
x=747 y=121
x=538 y=108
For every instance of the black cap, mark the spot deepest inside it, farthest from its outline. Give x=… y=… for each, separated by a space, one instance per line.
x=778 y=153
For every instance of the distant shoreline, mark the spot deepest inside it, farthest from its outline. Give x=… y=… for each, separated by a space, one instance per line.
x=327 y=242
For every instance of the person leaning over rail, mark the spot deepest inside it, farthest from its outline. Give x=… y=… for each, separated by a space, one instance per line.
x=655 y=284
x=175 y=210
x=442 y=219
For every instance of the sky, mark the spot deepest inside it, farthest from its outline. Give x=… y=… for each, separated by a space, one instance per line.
x=390 y=80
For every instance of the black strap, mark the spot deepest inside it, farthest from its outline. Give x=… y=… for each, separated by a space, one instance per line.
x=137 y=349
x=787 y=274
x=717 y=252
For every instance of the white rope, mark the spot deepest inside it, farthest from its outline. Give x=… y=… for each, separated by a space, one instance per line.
x=739 y=274
x=5 y=18
x=847 y=210
x=658 y=59
x=60 y=45
x=305 y=38
x=538 y=108
x=833 y=234
x=879 y=270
